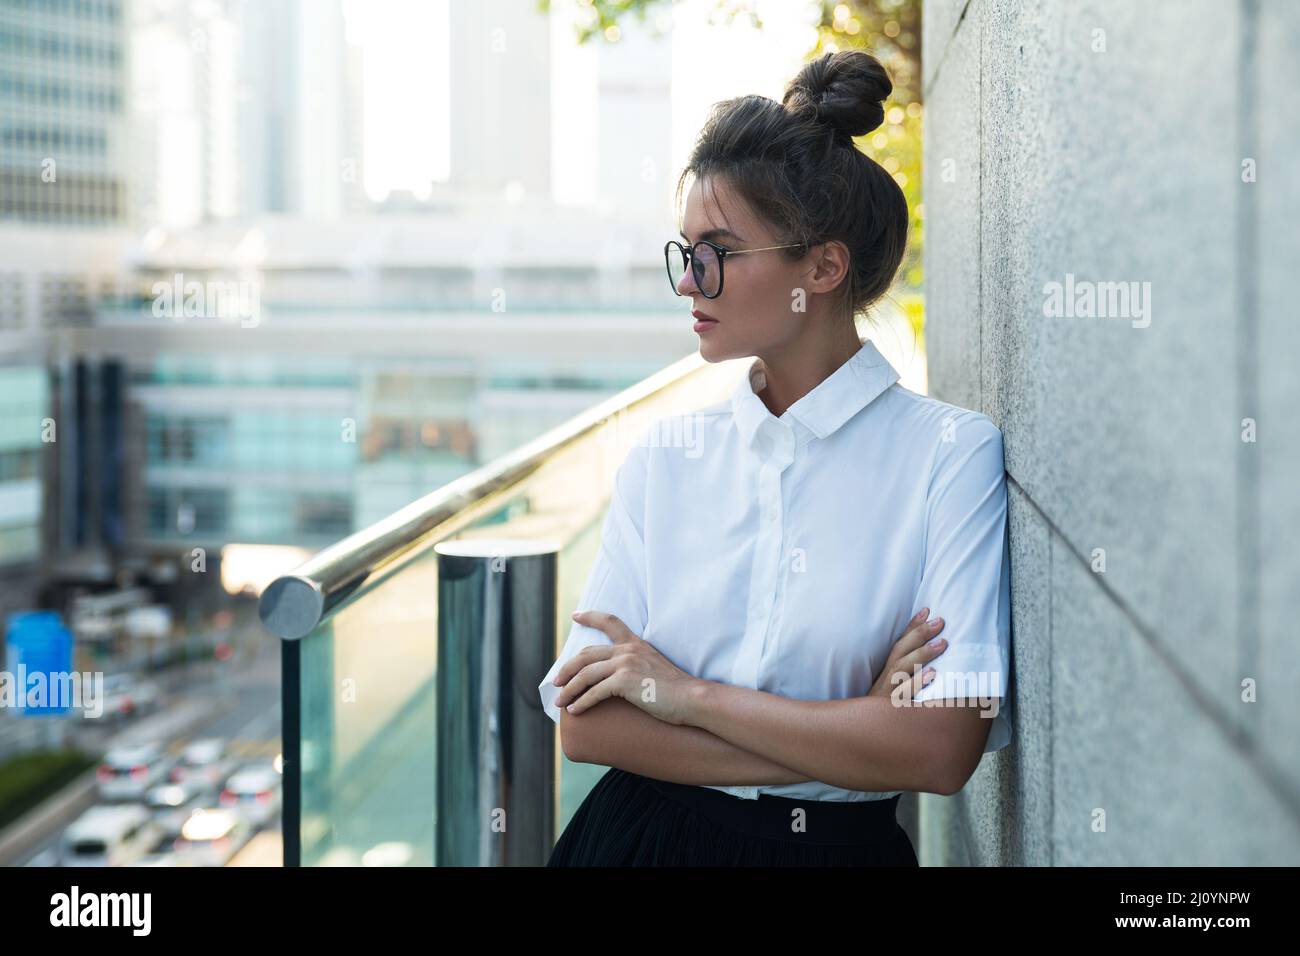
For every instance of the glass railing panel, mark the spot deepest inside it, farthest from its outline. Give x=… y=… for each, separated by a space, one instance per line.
x=361 y=688
x=576 y=559
x=368 y=706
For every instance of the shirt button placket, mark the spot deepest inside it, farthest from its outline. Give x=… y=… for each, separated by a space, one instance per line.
x=775 y=455
x=765 y=596
x=773 y=450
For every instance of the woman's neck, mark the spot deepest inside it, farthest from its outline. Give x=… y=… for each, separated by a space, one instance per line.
x=799 y=369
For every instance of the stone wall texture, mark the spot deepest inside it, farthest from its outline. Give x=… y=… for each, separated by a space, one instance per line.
x=1155 y=539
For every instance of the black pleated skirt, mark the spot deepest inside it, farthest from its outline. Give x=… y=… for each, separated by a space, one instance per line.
x=631 y=820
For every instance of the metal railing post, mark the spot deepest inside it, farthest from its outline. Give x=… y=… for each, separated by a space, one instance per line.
x=495 y=748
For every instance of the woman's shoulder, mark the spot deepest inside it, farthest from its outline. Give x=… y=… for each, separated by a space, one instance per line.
x=941 y=420
x=953 y=440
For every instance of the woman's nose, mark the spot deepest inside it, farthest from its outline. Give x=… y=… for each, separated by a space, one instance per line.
x=686 y=284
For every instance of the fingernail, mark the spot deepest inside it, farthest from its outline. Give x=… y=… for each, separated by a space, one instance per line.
x=936 y=622
x=575 y=614
x=569 y=708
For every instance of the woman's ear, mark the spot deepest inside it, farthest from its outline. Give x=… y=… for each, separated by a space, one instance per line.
x=830 y=264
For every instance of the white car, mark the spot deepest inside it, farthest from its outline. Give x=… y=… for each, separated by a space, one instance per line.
x=211 y=837
x=255 y=792
x=161 y=853
x=203 y=761
x=172 y=803
x=127 y=696
x=129 y=772
x=108 y=836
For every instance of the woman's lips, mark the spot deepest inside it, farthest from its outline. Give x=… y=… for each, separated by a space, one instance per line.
x=703 y=322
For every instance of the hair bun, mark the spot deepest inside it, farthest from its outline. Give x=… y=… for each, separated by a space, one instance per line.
x=844 y=90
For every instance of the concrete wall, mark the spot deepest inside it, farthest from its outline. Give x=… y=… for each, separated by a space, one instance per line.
x=1106 y=140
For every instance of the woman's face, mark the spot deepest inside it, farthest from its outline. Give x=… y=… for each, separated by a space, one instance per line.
x=761 y=306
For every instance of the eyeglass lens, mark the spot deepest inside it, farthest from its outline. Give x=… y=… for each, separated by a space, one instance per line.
x=704 y=264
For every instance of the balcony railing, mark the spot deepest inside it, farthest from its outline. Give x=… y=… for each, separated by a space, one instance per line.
x=389 y=761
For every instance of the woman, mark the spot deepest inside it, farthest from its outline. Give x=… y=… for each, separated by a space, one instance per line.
x=734 y=662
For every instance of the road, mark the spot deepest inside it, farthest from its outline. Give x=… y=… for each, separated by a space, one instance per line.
x=239 y=703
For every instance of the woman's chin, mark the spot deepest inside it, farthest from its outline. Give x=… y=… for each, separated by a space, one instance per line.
x=711 y=351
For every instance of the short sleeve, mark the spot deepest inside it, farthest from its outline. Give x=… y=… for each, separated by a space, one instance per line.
x=616 y=583
x=967 y=579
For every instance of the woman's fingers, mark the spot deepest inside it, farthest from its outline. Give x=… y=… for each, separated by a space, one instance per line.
x=578 y=661
x=914 y=678
x=910 y=653
x=916 y=632
x=921 y=679
x=920 y=633
x=612 y=625
x=602 y=691
x=915 y=638
x=588 y=676
x=915 y=627
x=914 y=674
x=913 y=666
x=923 y=654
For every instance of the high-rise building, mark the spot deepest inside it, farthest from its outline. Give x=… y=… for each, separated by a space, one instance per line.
x=63 y=150
x=299 y=139
x=500 y=97
x=64 y=199
x=634 y=127
x=355 y=199
x=184 y=117
x=53 y=446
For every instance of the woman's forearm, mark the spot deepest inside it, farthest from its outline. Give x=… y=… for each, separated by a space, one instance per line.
x=858 y=743
x=617 y=733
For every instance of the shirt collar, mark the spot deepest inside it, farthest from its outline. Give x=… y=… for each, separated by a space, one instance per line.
x=830 y=404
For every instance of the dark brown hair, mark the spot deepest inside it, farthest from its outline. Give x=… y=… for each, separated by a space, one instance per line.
x=796 y=166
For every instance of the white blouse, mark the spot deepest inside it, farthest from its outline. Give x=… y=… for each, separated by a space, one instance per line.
x=787 y=554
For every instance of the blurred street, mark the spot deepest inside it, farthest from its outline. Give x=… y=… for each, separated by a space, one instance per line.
x=235 y=703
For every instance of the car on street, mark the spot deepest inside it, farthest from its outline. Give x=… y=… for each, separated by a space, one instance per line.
x=172 y=803
x=115 y=835
x=126 y=695
x=129 y=772
x=203 y=761
x=254 y=791
x=160 y=853
x=210 y=837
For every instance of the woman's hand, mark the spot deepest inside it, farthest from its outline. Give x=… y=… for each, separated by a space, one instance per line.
x=897 y=678
x=629 y=668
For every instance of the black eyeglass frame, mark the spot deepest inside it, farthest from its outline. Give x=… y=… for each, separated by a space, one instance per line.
x=688 y=257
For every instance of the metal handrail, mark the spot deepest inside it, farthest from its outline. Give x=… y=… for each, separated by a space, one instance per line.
x=295 y=604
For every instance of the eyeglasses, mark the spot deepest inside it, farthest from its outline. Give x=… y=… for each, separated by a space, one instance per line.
x=705 y=260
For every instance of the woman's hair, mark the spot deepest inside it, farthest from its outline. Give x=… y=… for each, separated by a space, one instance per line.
x=796 y=166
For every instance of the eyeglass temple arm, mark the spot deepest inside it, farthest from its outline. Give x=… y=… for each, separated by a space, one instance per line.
x=788 y=245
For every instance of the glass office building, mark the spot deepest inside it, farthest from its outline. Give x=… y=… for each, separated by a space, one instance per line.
x=24 y=398
x=288 y=450
x=62 y=112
